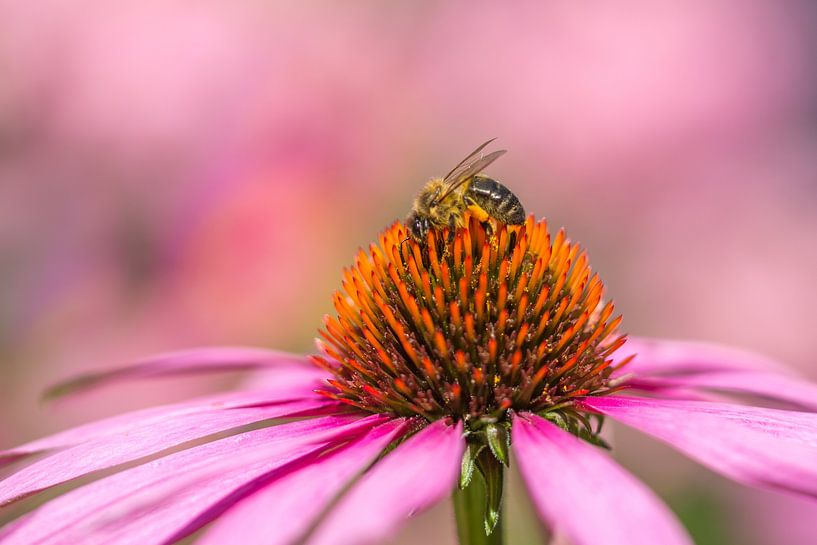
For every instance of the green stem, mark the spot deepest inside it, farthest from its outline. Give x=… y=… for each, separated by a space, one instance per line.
x=469 y=506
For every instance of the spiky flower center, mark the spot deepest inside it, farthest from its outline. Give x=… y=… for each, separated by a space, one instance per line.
x=469 y=325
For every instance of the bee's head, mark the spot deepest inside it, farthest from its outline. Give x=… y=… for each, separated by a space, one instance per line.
x=428 y=199
x=418 y=226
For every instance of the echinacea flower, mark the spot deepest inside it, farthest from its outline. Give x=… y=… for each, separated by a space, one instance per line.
x=446 y=362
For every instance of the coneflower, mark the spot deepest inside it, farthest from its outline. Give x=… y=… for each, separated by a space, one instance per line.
x=447 y=361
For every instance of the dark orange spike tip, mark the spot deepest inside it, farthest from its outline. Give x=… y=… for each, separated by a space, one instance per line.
x=470 y=325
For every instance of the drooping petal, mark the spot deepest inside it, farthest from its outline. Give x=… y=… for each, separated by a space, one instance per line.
x=290 y=385
x=149 y=437
x=161 y=501
x=276 y=378
x=184 y=362
x=290 y=505
x=411 y=478
x=663 y=388
x=671 y=357
x=777 y=387
x=581 y=492
x=761 y=447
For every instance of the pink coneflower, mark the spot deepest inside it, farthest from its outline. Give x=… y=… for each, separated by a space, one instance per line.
x=446 y=362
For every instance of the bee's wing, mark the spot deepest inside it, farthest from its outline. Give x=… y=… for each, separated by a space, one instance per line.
x=468 y=158
x=464 y=172
x=477 y=166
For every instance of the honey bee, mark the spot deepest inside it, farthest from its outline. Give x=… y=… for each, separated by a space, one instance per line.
x=443 y=201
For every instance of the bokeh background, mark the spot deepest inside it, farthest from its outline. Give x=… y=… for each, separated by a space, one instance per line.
x=177 y=174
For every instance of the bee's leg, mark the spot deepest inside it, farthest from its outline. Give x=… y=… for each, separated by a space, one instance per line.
x=452 y=229
x=512 y=239
x=480 y=215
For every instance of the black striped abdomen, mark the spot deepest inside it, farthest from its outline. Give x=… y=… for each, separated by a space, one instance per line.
x=496 y=199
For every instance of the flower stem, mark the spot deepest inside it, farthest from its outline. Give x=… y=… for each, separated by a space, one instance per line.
x=470 y=509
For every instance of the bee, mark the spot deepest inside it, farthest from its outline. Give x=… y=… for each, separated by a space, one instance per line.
x=443 y=201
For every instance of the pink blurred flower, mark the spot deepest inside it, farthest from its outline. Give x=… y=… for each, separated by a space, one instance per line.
x=436 y=367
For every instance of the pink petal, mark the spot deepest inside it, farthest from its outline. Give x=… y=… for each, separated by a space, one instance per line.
x=164 y=500
x=581 y=492
x=149 y=436
x=670 y=357
x=291 y=385
x=658 y=387
x=776 y=387
x=760 y=447
x=290 y=505
x=197 y=360
x=414 y=476
x=276 y=378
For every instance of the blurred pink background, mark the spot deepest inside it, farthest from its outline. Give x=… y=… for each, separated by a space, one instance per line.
x=176 y=174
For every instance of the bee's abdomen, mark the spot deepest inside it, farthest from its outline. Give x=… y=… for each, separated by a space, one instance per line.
x=496 y=199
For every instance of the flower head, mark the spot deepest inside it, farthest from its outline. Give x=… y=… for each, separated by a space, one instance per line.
x=469 y=325
x=444 y=360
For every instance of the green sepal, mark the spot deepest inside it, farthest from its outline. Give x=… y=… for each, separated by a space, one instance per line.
x=579 y=425
x=593 y=439
x=499 y=441
x=558 y=419
x=492 y=472
x=469 y=463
